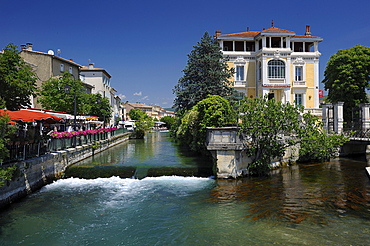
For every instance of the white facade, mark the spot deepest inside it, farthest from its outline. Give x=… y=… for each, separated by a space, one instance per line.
x=100 y=79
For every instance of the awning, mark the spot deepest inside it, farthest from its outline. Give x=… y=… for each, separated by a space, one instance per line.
x=30 y=116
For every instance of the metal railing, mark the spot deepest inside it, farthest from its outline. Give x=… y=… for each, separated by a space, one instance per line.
x=22 y=150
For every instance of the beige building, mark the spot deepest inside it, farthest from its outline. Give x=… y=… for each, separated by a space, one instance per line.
x=275 y=62
x=154 y=111
x=47 y=65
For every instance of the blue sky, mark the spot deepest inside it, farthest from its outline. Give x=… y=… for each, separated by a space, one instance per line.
x=144 y=44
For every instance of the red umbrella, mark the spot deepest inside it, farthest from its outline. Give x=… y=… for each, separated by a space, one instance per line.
x=30 y=116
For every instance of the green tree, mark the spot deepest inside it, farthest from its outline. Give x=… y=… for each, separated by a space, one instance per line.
x=270 y=127
x=169 y=120
x=137 y=114
x=213 y=111
x=97 y=105
x=347 y=76
x=206 y=74
x=317 y=145
x=6 y=130
x=17 y=81
x=144 y=122
x=58 y=94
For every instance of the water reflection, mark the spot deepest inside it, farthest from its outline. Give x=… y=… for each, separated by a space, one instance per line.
x=313 y=193
x=155 y=155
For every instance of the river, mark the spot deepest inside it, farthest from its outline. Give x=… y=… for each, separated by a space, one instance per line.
x=316 y=204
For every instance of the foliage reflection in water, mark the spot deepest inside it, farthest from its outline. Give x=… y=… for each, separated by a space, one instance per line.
x=308 y=192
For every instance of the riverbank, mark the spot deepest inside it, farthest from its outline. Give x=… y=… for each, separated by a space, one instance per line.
x=32 y=174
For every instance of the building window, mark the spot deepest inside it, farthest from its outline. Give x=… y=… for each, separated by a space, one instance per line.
x=239 y=73
x=70 y=70
x=239 y=45
x=298 y=73
x=298 y=99
x=276 y=69
x=62 y=67
x=228 y=46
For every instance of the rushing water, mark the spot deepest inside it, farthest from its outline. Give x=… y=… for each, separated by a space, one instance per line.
x=317 y=204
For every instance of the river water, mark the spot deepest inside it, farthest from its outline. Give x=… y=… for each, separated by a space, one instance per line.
x=316 y=204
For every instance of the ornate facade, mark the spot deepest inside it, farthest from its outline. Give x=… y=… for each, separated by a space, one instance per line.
x=275 y=62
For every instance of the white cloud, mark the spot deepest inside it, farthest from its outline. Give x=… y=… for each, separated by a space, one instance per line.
x=138 y=93
x=121 y=96
x=145 y=98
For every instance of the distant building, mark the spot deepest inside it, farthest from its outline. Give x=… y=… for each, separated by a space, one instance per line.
x=47 y=65
x=154 y=111
x=275 y=62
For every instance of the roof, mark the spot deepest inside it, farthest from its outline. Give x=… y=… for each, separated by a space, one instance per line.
x=92 y=68
x=53 y=56
x=276 y=30
x=271 y=30
x=138 y=105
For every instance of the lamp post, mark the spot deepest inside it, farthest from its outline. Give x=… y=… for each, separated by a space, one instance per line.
x=67 y=90
x=99 y=101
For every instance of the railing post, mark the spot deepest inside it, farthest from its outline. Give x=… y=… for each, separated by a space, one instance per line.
x=338 y=117
x=365 y=116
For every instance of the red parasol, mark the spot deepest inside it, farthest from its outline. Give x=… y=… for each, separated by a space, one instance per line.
x=30 y=116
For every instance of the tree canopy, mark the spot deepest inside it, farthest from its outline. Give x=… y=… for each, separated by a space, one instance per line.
x=58 y=94
x=347 y=77
x=17 y=80
x=206 y=74
x=270 y=127
x=213 y=111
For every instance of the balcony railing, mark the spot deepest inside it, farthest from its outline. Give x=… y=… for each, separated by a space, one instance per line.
x=299 y=83
x=240 y=83
x=22 y=150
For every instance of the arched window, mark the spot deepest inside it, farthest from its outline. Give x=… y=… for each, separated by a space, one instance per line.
x=276 y=69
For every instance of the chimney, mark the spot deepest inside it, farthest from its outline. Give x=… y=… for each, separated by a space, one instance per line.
x=247 y=28
x=29 y=46
x=23 y=46
x=91 y=66
x=71 y=60
x=218 y=33
x=308 y=30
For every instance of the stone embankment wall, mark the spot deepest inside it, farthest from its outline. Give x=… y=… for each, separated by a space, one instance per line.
x=32 y=174
x=228 y=150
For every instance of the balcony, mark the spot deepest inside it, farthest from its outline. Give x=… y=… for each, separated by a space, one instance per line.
x=240 y=83
x=299 y=83
x=276 y=83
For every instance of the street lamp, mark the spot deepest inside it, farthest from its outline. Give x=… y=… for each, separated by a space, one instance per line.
x=99 y=101
x=67 y=90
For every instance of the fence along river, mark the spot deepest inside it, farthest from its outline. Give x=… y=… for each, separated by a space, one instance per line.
x=317 y=204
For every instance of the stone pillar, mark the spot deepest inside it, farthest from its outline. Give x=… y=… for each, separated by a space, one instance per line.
x=326 y=116
x=365 y=116
x=338 y=117
x=227 y=151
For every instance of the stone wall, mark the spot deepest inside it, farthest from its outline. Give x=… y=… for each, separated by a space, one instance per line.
x=34 y=173
x=228 y=149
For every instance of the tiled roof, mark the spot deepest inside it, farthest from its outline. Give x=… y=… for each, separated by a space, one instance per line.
x=305 y=36
x=241 y=34
x=269 y=30
x=276 y=30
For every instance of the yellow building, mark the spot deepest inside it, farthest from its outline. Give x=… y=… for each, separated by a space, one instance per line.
x=275 y=62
